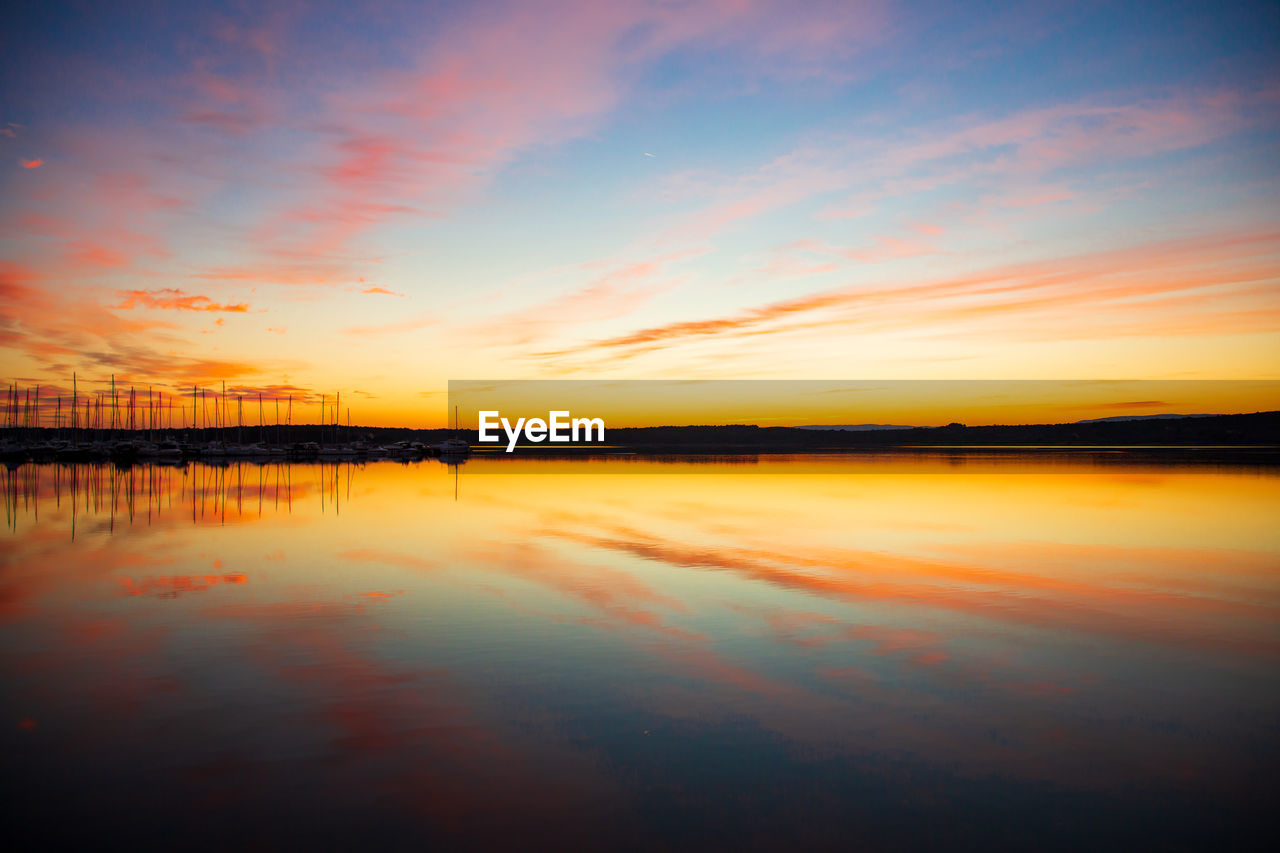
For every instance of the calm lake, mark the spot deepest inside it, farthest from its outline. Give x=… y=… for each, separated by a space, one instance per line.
x=885 y=651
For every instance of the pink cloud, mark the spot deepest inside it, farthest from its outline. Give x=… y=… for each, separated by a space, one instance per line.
x=64 y=332
x=318 y=272
x=98 y=256
x=389 y=143
x=174 y=300
x=89 y=224
x=416 y=142
x=32 y=164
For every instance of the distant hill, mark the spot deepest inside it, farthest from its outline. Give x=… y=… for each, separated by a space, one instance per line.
x=855 y=427
x=1113 y=419
x=1140 y=418
x=1260 y=428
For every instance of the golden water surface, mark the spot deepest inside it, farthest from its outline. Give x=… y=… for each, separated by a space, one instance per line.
x=821 y=651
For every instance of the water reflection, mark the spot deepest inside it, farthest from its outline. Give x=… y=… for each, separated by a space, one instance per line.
x=145 y=493
x=843 y=652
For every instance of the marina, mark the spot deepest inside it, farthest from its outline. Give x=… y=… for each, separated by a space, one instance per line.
x=125 y=426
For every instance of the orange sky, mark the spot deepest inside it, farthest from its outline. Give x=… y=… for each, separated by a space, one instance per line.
x=299 y=203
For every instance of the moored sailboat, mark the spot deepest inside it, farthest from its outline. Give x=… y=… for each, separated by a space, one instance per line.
x=454 y=446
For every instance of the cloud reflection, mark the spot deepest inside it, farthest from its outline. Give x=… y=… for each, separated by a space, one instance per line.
x=575 y=649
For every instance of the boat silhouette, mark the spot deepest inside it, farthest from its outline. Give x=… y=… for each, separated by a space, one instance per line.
x=454 y=446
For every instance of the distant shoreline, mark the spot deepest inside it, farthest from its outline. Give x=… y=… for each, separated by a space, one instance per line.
x=1243 y=439
x=1235 y=430
x=1258 y=430
x=1254 y=456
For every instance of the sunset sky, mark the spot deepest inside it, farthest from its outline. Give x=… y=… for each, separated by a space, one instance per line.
x=377 y=198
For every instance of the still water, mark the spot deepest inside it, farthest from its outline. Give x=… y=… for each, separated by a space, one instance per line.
x=887 y=652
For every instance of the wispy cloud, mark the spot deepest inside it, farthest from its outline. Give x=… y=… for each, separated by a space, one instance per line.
x=1018 y=160
x=1107 y=289
x=171 y=299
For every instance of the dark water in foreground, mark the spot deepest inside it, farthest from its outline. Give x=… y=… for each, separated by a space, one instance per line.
x=823 y=652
